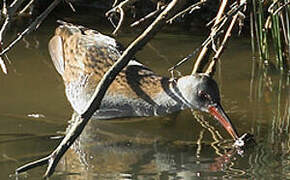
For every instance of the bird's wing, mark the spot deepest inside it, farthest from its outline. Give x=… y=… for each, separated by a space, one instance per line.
x=55 y=47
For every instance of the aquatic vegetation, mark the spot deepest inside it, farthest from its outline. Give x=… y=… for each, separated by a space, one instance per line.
x=270 y=28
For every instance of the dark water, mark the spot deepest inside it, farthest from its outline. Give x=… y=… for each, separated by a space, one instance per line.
x=188 y=145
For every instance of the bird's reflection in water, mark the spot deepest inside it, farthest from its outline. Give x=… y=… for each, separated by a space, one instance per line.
x=116 y=150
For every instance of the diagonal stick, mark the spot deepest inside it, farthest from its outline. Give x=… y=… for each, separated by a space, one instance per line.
x=99 y=93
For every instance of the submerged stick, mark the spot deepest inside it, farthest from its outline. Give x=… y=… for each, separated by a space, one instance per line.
x=99 y=93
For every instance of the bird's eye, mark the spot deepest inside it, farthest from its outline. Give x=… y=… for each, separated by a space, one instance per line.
x=204 y=95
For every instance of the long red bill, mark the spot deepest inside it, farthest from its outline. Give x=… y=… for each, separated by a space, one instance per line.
x=218 y=112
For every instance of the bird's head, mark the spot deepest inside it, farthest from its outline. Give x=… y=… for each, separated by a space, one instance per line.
x=201 y=92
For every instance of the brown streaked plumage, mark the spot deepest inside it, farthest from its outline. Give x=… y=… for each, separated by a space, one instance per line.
x=82 y=56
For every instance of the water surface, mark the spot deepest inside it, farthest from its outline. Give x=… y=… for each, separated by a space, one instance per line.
x=34 y=112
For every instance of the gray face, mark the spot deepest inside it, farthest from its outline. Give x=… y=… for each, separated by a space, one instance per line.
x=201 y=92
x=207 y=98
x=206 y=92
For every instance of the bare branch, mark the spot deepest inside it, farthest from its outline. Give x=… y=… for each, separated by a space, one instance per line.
x=121 y=12
x=281 y=7
x=119 y=9
x=34 y=25
x=4 y=8
x=147 y=16
x=101 y=89
x=8 y=12
x=26 y=7
x=14 y=6
x=4 y=29
x=33 y=164
x=115 y=3
x=5 y=23
x=71 y=6
x=217 y=29
x=3 y=66
x=205 y=48
x=189 y=9
x=211 y=66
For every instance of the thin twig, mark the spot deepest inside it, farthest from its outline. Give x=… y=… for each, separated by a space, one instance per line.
x=233 y=6
x=33 y=164
x=115 y=3
x=34 y=25
x=188 y=57
x=205 y=48
x=26 y=7
x=3 y=66
x=7 y=11
x=153 y=13
x=234 y=9
x=281 y=7
x=102 y=87
x=2 y=30
x=184 y=59
x=14 y=6
x=5 y=23
x=190 y=9
x=119 y=9
x=210 y=69
x=71 y=6
x=4 y=9
x=121 y=12
x=217 y=29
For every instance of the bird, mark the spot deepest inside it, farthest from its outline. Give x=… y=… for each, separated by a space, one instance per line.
x=82 y=56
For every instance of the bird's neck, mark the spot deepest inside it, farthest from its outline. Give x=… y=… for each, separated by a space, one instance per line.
x=172 y=98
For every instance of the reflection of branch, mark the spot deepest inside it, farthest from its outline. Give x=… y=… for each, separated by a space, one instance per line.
x=199 y=145
x=214 y=133
x=158 y=53
x=78 y=126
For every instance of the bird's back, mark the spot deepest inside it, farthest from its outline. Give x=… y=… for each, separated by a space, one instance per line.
x=82 y=56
